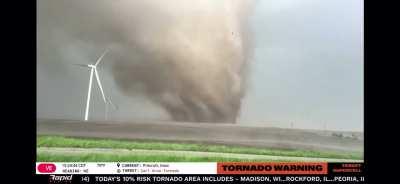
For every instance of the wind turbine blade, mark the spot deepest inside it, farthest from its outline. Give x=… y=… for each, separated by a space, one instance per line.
x=101 y=57
x=88 y=96
x=100 y=86
x=102 y=93
x=114 y=106
x=81 y=65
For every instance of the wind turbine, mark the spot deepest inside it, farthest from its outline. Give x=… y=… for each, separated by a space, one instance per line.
x=93 y=70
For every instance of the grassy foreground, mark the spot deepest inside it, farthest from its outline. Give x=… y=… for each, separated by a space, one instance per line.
x=59 y=141
x=48 y=157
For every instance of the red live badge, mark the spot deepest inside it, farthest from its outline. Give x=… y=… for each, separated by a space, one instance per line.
x=46 y=168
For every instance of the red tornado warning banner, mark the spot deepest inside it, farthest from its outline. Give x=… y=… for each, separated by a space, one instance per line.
x=272 y=168
x=286 y=168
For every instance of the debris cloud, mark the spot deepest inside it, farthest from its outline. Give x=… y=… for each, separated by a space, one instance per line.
x=189 y=57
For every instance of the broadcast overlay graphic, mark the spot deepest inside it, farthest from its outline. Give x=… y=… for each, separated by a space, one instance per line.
x=283 y=168
x=205 y=172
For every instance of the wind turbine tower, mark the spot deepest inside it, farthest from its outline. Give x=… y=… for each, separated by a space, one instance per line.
x=93 y=70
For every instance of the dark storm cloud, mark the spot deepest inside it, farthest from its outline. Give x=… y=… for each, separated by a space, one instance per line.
x=191 y=58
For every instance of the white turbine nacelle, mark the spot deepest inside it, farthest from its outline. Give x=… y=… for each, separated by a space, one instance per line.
x=93 y=69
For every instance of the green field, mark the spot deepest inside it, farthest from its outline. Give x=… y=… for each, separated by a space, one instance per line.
x=68 y=142
x=45 y=157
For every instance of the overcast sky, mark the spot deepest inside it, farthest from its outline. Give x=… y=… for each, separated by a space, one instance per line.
x=307 y=71
x=308 y=64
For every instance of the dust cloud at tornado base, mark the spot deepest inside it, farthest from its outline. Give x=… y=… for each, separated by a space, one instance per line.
x=189 y=57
